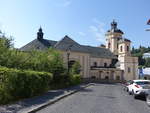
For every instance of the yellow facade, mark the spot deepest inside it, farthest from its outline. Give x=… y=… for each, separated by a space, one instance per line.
x=100 y=68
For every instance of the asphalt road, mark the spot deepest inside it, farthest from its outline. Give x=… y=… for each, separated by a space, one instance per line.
x=100 y=98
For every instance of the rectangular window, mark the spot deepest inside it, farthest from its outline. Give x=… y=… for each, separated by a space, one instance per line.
x=129 y=70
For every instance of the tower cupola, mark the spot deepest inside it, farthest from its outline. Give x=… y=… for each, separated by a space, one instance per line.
x=40 y=34
x=113 y=36
x=114 y=28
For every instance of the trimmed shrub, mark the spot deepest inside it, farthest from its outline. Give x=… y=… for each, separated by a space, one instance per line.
x=76 y=67
x=61 y=81
x=16 y=84
x=75 y=79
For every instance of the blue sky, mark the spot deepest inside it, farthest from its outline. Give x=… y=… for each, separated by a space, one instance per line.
x=86 y=21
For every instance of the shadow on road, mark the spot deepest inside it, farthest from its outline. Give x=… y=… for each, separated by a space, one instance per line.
x=104 y=83
x=27 y=103
x=86 y=90
x=41 y=99
x=141 y=98
x=14 y=108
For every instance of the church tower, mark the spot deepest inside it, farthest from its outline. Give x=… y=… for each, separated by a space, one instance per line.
x=112 y=38
x=121 y=47
x=124 y=48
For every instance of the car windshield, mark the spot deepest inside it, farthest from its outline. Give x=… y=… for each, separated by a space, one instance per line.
x=143 y=83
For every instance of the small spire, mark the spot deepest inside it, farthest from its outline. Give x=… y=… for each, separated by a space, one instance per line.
x=40 y=29
x=40 y=34
x=114 y=24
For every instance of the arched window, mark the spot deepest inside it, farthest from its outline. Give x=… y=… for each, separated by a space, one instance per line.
x=120 y=48
x=105 y=64
x=129 y=70
x=127 y=48
x=95 y=64
x=109 y=45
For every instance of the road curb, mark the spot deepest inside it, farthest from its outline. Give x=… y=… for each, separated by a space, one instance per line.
x=56 y=99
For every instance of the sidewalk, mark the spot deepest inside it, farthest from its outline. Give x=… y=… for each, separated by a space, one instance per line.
x=35 y=103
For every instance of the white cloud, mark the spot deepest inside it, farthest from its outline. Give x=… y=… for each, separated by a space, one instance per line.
x=67 y=3
x=98 y=30
x=93 y=28
x=64 y=3
x=81 y=33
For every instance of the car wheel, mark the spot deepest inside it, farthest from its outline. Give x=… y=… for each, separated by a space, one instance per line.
x=127 y=90
x=148 y=100
x=124 y=88
x=130 y=93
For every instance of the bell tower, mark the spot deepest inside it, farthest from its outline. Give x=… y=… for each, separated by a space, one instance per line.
x=112 y=37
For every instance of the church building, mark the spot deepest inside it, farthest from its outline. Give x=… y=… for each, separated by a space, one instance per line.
x=112 y=61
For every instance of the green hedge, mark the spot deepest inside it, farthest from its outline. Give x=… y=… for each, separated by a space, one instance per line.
x=63 y=81
x=16 y=84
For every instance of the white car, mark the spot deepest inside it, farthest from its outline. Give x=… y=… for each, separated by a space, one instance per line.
x=139 y=87
x=126 y=84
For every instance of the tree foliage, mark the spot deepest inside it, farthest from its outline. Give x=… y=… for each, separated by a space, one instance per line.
x=5 y=41
x=49 y=60
x=139 y=53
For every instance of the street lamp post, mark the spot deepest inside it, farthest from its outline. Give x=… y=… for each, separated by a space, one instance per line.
x=68 y=57
x=68 y=54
